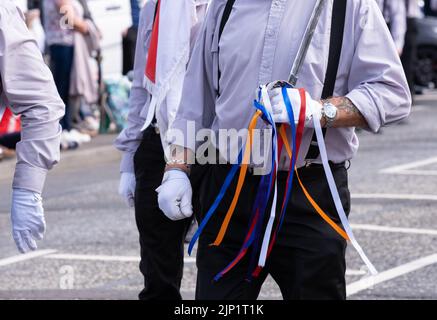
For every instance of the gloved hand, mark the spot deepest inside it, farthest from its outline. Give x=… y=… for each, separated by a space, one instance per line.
x=27 y=216
x=174 y=195
x=279 y=110
x=127 y=188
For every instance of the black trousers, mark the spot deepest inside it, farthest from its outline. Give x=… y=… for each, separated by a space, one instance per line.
x=161 y=240
x=409 y=54
x=10 y=140
x=61 y=63
x=308 y=261
x=129 y=45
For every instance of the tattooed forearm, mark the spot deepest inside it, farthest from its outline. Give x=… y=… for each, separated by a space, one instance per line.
x=348 y=114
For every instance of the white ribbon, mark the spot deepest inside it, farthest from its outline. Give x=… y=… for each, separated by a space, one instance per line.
x=336 y=197
x=150 y=113
x=268 y=233
x=332 y=186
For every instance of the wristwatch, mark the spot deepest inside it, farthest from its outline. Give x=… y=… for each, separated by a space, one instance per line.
x=329 y=112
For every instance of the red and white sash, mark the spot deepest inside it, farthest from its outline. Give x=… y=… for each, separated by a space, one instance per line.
x=168 y=54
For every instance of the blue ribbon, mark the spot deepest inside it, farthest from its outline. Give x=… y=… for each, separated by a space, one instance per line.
x=217 y=201
x=290 y=112
x=262 y=197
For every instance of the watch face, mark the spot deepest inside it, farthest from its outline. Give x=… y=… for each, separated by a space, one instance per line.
x=330 y=111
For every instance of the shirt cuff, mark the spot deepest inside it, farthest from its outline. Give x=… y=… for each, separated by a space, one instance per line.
x=369 y=111
x=127 y=163
x=29 y=178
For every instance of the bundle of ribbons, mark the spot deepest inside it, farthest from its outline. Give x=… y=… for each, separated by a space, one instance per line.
x=262 y=245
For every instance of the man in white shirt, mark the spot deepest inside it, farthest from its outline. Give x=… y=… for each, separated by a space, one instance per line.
x=27 y=87
x=257 y=46
x=143 y=161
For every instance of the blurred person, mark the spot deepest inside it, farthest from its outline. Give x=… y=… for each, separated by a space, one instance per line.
x=395 y=14
x=130 y=37
x=60 y=24
x=409 y=54
x=430 y=8
x=365 y=88
x=84 y=85
x=154 y=99
x=28 y=88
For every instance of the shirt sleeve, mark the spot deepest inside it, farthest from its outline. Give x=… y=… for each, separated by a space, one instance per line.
x=377 y=83
x=196 y=109
x=29 y=89
x=130 y=138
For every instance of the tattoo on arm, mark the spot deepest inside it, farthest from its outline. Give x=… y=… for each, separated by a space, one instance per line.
x=348 y=113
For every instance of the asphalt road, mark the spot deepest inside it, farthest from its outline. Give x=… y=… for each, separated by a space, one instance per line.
x=91 y=251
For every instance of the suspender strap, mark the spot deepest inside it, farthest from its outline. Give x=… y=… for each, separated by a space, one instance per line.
x=336 y=43
x=156 y=12
x=225 y=17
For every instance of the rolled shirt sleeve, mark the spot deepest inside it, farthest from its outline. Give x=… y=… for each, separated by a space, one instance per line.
x=130 y=138
x=377 y=82
x=29 y=90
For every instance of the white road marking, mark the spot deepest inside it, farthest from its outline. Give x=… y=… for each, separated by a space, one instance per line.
x=355 y=272
x=408 y=168
x=416 y=173
x=87 y=257
x=392 y=196
x=370 y=227
x=371 y=281
x=24 y=257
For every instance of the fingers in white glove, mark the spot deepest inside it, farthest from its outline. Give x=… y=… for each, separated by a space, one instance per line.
x=174 y=195
x=27 y=237
x=24 y=241
x=38 y=231
x=127 y=188
x=130 y=202
x=27 y=216
x=185 y=205
x=21 y=245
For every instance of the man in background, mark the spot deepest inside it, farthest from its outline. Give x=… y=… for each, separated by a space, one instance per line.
x=409 y=54
x=430 y=8
x=395 y=15
x=130 y=38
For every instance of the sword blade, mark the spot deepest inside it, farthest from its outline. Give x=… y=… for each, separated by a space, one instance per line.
x=306 y=41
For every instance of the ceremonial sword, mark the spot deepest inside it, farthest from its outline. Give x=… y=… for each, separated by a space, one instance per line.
x=305 y=44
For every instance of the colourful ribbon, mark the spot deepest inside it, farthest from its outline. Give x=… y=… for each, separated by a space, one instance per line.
x=225 y=186
x=261 y=200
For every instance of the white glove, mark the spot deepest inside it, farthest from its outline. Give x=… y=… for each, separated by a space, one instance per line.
x=127 y=188
x=279 y=110
x=27 y=216
x=174 y=195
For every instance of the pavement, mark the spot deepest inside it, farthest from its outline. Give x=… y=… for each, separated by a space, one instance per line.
x=91 y=247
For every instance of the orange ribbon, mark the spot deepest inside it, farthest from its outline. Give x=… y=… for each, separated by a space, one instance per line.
x=241 y=178
x=316 y=207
